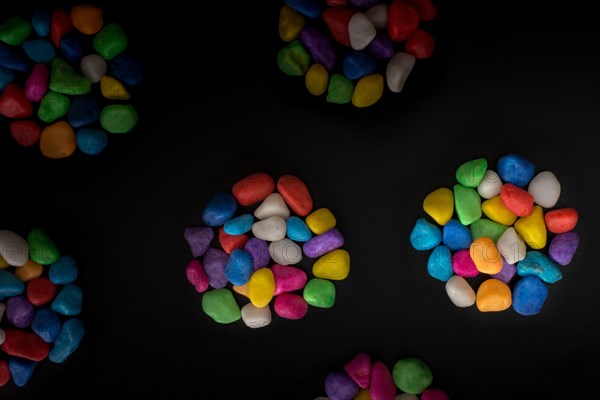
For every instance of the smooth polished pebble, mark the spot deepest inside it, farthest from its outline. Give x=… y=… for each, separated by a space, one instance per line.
x=490 y=185
x=425 y=235
x=319 y=293
x=493 y=295
x=439 y=205
x=334 y=265
x=529 y=295
x=255 y=317
x=359 y=370
x=412 y=375
x=272 y=205
x=460 y=292
x=545 y=189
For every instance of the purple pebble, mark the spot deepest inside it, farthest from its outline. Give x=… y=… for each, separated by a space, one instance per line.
x=319 y=46
x=364 y=3
x=339 y=386
x=214 y=262
x=259 y=250
x=563 y=247
x=199 y=239
x=323 y=243
x=506 y=273
x=19 y=312
x=381 y=47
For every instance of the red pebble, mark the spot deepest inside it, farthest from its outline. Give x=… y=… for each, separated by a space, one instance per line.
x=231 y=242
x=41 y=291
x=26 y=345
x=420 y=44
x=425 y=8
x=517 y=200
x=196 y=275
x=253 y=188
x=296 y=194
x=337 y=20
x=14 y=103
x=336 y=3
x=4 y=373
x=561 y=220
x=403 y=19
x=60 y=25
x=25 y=132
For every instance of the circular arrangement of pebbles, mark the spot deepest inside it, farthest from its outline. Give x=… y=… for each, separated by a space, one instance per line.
x=39 y=305
x=494 y=228
x=344 y=48
x=364 y=379
x=66 y=80
x=256 y=236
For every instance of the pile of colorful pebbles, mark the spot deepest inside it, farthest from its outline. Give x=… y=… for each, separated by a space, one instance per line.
x=256 y=253
x=342 y=47
x=49 y=65
x=499 y=241
x=39 y=305
x=362 y=379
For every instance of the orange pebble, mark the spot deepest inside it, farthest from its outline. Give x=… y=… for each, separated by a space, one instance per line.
x=58 y=140
x=87 y=18
x=243 y=290
x=493 y=295
x=29 y=271
x=486 y=256
x=561 y=220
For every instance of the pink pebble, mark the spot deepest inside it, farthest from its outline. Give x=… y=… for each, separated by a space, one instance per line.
x=434 y=394
x=196 y=275
x=288 y=279
x=382 y=383
x=463 y=265
x=36 y=85
x=359 y=369
x=290 y=306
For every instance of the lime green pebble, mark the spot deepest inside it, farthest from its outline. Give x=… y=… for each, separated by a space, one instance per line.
x=411 y=375
x=471 y=173
x=467 y=203
x=110 y=41
x=487 y=228
x=220 y=305
x=64 y=79
x=118 y=118
x=319 y=293
x=15 y=30
x=293 y=59
x=340 y=89
x=316 y=79
x=53 y=106
x=41 y=248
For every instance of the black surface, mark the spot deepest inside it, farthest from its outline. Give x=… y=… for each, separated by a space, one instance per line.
x=507 y=77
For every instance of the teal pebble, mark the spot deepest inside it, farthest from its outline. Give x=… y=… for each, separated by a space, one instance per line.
x=91 y=141
x=297 y=229
x=538 y=264
x=68 y=340
x=439 y=264
x=68 y=301
x=64 y=270
x=239 y=225
x=425 y=235
x=39 y=50
x=10 y=285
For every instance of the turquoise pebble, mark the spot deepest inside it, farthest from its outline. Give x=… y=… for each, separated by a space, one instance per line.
x=220 y=209
x=64 y=270
x=68 y=300
x=239 y=225
x=39 y=50
x=239 y=267
x=439 y=264
x=10 y=285
x=540 y=265
x=68 y=340
x=91 y=141
x=40 y=21
x=529 y=295
x=46 y=324
x=21 y=370
x=425 y=235
x=456 y=236
x=297 y=229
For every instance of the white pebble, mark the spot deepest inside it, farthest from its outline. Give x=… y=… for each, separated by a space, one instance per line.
x=378 y=15
x=511 y=246
x=93 y=67
x=255 y=317
x=273 y=205
x=361 y=31
x=490 y=185
x=406 y=396
x=460 y=292
x=270 y=229
x=13 y=248
x=285 y=252
x=545 y=189
x=398 y=69
x=2 y=336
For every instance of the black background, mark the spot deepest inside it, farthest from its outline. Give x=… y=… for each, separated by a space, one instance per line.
x=505 y=77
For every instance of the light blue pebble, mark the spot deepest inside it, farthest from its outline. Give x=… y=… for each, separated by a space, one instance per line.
x=425 y=235
x=297 y=229
x=68 y=300
x=84 y=111
x=439 y=264
x=239 y=267
x=529 y=295
x=91 y=141
x=127 y=69
x=10 y=285
x=6 y=77
x=9 y=58
x=219 y=209
x=64 y=270
x=239 y=225
x=40 y=21
x=538 y=264
x=72 y=46
x=68 y=340
x=456 y=236
x=21 y=370
x=39 y=50
x=357 y=64
x=515 y=169
x=310 y=8
x=46 y=324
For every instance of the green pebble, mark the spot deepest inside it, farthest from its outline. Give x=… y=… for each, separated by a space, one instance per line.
x=293 y=59
x=41 y=249
x=53 y=106
x=319 y=293
x=110 y=41
x=411 y=375
x=467 y=203
x=220 y=305
x=471 y=173
x=64 y=79
x=15 y=30
x=340 y=89
x=118 y=118
x=487 y=228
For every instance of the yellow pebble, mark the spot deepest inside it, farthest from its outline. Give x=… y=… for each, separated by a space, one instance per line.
x=261 y=287
x=316 y=79
x=486 y=256
x=29 y=271
x=320 y=221
x=368 y=90
x=439 y=204
x=532 y=228
x=495 y=210
x=58 y=140
x=243 y=290
x=112 y=89
x=334 y=265
x=493 y=295
x=363 y=394
x=3 y=263
x=291 y=23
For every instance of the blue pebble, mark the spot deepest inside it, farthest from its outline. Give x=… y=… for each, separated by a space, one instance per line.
x=72 y=46
x=91 y=141
x=46 y=324
x=39 y=50
x=11 y=59
x=10 y=285
x=540 y=265
x=41 y=20
x=456 y=236
x=64 y=270
x=6 y=77
x=439 y=264
x=425 y=235
x=357 y=64
x=219 y=209
x=515 y=169
x=310 y=8
x=84 y=111
x=239 y=225
x=529 y=295
x=68 y=300
x=68 y=340
x=127 y=69
x=21 y=370
x=297 y=229
x=239 y=267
